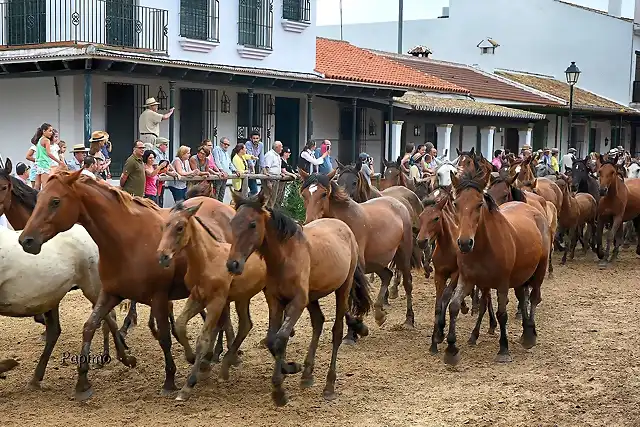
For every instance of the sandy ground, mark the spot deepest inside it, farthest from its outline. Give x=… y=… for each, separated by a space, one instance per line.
x=585 y=370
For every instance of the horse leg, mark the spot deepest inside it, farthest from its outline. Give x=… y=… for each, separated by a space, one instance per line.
x=636 y=226
x=493 y=323
x=52 y=323
x=244 y=327
x=482 y=310
x=407 y=284
x=104 y=304
x=229 y=333
x=452 y=354
x=393 y=289
x=190 y=310
x=342 y=298
x=379 y=312
x=225 y=328
x=204 y=343
x=521 y=295
x=159 y=309
x=566 y=240
x=475 y=297
x=503 y=299
x=131 y=319
x=599 y=236
x=611 y=235
x=437 y=336
x=317 y=320
x=574 y=233
x=172 y=320
x=617 y=242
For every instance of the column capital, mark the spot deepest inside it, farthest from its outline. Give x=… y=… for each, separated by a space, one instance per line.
x=449 y=125
x=395 y=122
x=172 y=84
x=309 y=97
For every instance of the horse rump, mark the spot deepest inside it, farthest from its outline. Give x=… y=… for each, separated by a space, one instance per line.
x=360 y=302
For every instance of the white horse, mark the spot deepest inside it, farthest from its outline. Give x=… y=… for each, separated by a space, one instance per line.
x=443 y=174
x=633 y=170
x=35 y=284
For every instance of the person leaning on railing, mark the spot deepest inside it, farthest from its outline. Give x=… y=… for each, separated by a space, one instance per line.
x=239 y=159
x=182 y=168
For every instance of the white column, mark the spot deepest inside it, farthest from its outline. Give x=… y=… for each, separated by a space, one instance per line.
x=487 y=137
x=524 y=137
x=444 y=140
x=397 y=137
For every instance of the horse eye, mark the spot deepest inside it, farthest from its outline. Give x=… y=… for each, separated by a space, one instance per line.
x=323 y=195
x=252 y=224
x=436 y=219
x=180 y=228
x=54 y=203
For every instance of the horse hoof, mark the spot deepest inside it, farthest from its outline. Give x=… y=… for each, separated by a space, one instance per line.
x=43 y=337
x=190 y=358
x=408 y=326
x=491 y=331
x=129 y=361
x=380 y=317
x=82 y=396
x=451 y=359
x=236 y=361
x=205 y=367
x=362 y=329
x=602 y=265
x=7 y=365
x=528 y=341
x=306 y=382
x=393 y=293
x=472 y=341
x=184 y=394
x=504 y=358
x=433 y=349
x=464 y=309
x=35 y=385
x=474 y=311
x=279 y=397
x=329 y=395
x=348 y=341
x=293 y=368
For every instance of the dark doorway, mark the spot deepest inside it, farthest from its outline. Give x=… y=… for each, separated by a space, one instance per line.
x=191 y=118
x=592 y=140
x=26 y=22
x=288 y=125
x=512 y=140
x=261 y=118
x=345 y=146
x=121 y=16
x=120 y=123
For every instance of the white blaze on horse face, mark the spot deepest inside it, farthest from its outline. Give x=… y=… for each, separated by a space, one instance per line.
x=518 y=169
x=436 y=193
x=313 y=188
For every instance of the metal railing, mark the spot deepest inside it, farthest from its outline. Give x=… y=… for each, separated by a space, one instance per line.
x=635 y=97
x=255 y=23
x=296 y=10
x=102 y=22
x=244 y=177
x=200 y=19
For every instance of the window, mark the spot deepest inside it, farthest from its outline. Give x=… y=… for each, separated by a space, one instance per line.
x=296 y=10
x=488 y=50
x=199 y=19
x=255 y=23
x=26 y=21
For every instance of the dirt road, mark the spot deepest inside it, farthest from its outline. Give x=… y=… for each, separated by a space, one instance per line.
x=585 y=370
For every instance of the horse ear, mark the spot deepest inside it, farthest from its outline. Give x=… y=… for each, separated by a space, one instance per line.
x=493 y=176
x=454 y=178
x=458 y=151
x=262 y=197
x=535 y=183
x=236 y=196
x=8 y=166
x=73 y=177
x=303 y=174
x=415 y=181
x=340 y=165
x=511 y=179
x=331 y=174
x=193 y=209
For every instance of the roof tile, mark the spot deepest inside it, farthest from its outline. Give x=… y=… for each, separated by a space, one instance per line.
x=341 y=60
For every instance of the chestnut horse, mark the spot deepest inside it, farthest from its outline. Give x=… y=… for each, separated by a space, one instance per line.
x=303 y=264
x=382 y=227
x=526 y=179
x=210 y=283
x=577 y=211
x=439 y=227
x=128 y=268
x=619 y=202
x=499 y=248
x=393 y=175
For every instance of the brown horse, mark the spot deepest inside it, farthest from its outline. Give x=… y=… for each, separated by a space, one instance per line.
x=499 y=248
x=210 y=283
x=304 y=264
x=526 y=179
x=577 y=211
x=394 y=175
x=128 y=268
x=502 y=190
x=439 y=227
x=619 y=202
x=382 y=227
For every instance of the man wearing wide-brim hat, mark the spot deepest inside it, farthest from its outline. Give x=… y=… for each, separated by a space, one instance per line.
x=79 y=152
x=149 y=121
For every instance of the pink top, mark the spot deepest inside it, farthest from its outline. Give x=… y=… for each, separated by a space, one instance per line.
x=151 y=185
x=497 y=162
x=212 y=163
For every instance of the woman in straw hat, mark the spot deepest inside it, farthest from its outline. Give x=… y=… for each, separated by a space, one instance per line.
x=98 y=140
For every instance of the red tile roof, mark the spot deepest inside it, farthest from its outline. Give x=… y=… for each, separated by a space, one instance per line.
x=480 y=84
x=341 y=60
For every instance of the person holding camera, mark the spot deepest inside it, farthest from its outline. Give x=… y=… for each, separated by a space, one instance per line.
x=367 y=166
x=308 y=161
x=326 y=167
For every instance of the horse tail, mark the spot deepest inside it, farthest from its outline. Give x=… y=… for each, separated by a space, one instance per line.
x=360 y=295
x=416 y=257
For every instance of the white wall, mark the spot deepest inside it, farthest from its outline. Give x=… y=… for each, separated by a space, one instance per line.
x=541 y=36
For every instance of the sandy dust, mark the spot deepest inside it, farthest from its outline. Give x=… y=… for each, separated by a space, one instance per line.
x=585 y=370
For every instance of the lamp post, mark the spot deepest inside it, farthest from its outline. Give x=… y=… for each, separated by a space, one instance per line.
x=572 y=73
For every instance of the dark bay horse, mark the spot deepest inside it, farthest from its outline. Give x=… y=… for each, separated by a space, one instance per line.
x=619 y=202
x=499 y=248
x=129 y=269
x=303 y=264
x=577 y=211
x=382 y=227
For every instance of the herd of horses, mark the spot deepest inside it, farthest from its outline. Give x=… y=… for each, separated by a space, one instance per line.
x=479 y=227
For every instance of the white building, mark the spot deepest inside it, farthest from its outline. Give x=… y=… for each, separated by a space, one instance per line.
x=539 y=36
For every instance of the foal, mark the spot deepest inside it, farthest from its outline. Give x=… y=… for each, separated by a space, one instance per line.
x=210 y=283
x=303 y=264
x=577 y=210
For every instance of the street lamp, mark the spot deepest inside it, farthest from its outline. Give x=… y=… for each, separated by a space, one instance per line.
x=573 y=74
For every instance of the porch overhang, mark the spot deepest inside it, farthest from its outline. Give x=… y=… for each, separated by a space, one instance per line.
x=597 y=113
x=72 y=61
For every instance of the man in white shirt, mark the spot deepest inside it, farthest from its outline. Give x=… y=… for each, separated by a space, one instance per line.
x=149 y=122
x=273 y=167
x=567 y=159
x=89 y=167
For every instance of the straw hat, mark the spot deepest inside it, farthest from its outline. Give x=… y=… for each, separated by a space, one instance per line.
x=99 y=136
x=526 y=147
x=150 y=101
x=160 y=141
x=79 y=148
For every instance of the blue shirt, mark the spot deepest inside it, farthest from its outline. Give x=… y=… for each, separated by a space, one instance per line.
x=223 y=161
x=255 y=151
x=326 y=167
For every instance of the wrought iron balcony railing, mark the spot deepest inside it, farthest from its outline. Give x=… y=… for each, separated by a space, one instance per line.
x=102 y=22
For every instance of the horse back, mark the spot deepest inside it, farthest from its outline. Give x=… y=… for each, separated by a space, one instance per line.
x=587 y=206
x=632 y=209
x=409 y=199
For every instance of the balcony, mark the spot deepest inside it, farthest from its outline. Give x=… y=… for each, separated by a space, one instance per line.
x=38 y=23
x=635 y=96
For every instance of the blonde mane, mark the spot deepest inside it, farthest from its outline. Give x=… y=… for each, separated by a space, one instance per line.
x=125 y=199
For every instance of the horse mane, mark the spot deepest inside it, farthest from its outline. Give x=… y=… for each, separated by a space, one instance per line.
x=475 y=181
x=284 y=226
x=621 y=171
x=121 y=196
x=337 y=193
x=25 y=194
x=180 y=207
x=431 y=201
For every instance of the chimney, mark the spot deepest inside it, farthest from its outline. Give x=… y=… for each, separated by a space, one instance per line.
x=615 y=8
x=445 y=12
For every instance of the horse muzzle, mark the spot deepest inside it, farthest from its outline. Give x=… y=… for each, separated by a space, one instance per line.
x=165 y=260
x=604 y=191
x=235 y=266
x=465 y=245
x=30 y=245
